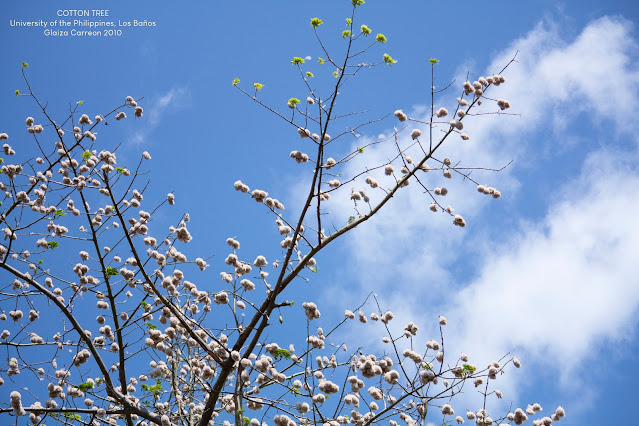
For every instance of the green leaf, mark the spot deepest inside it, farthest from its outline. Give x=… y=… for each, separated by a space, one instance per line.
x=25 y=64
x=99 y=381
x=282 y=353
x=293 y=101
x=17 y=92
x=40 y=261
x=120 y=170
x=387 y=59
x=320 y=60
x=357 y=2
x=72 y=416
x=236 y=81
x=246 y=421
x=85 y=386
x=313 y=269
x=309 y=74
x=346 y=33
x=86 y=155
x=351 y=218
x=151 y=326
x=360 y=149
x=468 y=369
x=52 y=244
x=80 y=102
x=156 y=389
x=281 y=320
x=349 y=21
x=366 y=30
x=59 y=213
x=380 y=38
x=144 y=304
x=433 y=61
x=297 y=60
x=316 y=22
x=335 y=74
x=258 y=86
x=110 y=272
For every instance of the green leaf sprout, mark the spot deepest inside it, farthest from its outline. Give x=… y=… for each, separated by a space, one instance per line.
x=387 y=59
x=316 y=22
x=52 y=244
x=346 y=33
x=433 y=61
x=236 y=81
x=357 y=2
x=258 y=86
x=320 y=60
x=380 y=38
x=282 y=353
x=110 y=272
x=25 y=64
x=309 y=74
x=297 y=60
x=366 y=30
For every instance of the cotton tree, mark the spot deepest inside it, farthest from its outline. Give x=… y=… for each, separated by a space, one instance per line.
x=121 y=328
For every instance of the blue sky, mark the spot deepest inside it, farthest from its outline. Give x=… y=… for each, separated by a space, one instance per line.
x=547 y=272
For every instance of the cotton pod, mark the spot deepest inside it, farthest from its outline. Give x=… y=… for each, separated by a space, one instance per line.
x=389 y=170
x=415 y=133
x=458 y=220
x=400 y=115
x=442 y=112
x=16 y=404
x=447 y=409
x=304 y=133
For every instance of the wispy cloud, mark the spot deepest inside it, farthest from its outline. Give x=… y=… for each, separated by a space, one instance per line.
x=558 y=285
x=158 y=107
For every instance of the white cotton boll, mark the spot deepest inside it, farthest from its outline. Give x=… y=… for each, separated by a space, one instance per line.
x=516 y=362
x=146 y=155
x=304 y=133
x=389 y=170
x=400 y=115
x=442 y=112
x=447 y=409
x=16 y=403
x=415 y=134
x=433 y=207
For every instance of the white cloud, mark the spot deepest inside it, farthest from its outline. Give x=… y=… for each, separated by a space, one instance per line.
x=559 y=287
x=173 y=100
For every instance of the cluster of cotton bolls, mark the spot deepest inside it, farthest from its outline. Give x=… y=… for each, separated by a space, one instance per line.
x=489 y=190
x=299 y=156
